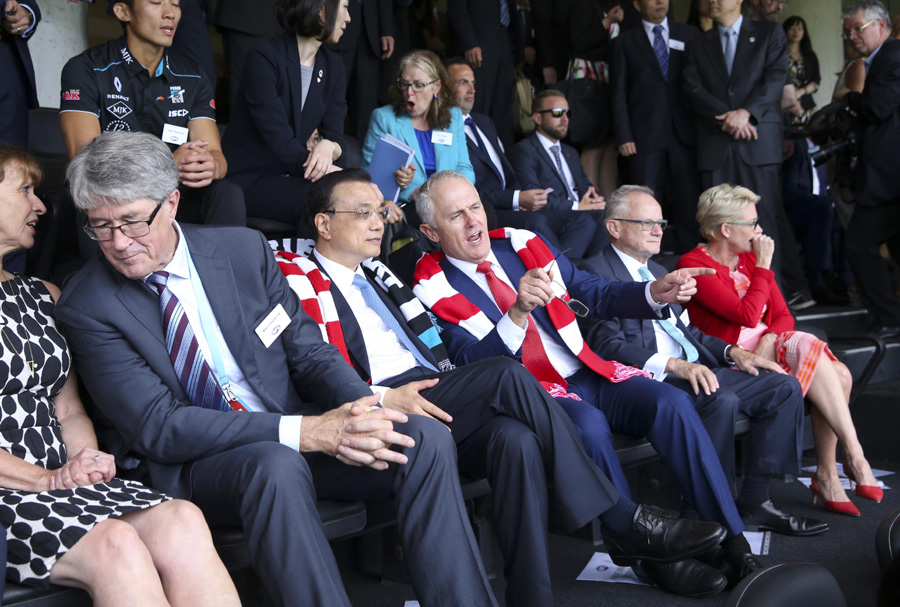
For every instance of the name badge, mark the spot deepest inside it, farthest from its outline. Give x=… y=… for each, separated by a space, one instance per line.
x=676 y=45
x=442 y=137
x=174 y=134
x=272 y=325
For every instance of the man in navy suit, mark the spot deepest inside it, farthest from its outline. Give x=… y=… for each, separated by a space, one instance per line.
x=876 y=217
x=734 y=75
x=18 y=22
x=544 y=161
x=680 y=355
x=253 y=455
x=652 y=123
x=505 y=425
x=490 y=303
x=495 y=178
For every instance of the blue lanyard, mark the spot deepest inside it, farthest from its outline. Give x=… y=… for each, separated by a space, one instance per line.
x=207 y=326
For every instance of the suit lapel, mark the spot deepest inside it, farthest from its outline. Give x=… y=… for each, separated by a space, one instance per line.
x=714 y=53
x=315 y=98
x=353 y=339
x=646 y=49
x=545 y=158
x=142 y=302
x=620 y=272
x=745 y=46
x=408 y=136
x=467 y=287
x=295 y=78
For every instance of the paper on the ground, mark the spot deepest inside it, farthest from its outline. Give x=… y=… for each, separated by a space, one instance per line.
x=602 y=569
x=840 y=469
x=759 y=541
x=845 y=482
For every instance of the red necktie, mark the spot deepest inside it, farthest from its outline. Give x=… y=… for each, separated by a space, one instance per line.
x=534 y=356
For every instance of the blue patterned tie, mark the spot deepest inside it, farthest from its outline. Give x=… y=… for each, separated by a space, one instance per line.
x=729 y=48
x=193 y=372
x=659 y=48
x=690 y=352
x=504 y=13
x=376 y=305
x=483 y=147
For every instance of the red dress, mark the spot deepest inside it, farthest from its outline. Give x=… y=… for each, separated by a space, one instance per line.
x=740 y=306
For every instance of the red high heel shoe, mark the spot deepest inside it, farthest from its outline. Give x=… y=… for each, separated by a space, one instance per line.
x=839 y=507
x=867 y=492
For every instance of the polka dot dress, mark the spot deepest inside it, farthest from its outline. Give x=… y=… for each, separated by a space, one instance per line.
x=42 y=527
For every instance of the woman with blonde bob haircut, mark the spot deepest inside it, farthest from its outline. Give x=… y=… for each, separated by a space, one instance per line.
x=742 y=304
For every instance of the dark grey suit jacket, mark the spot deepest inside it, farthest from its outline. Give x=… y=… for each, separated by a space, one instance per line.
x=536 y=169
x=114 y=328
x=756 y=82
x=633 y=341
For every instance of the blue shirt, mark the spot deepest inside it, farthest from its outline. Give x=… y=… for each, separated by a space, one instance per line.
x=424 y=139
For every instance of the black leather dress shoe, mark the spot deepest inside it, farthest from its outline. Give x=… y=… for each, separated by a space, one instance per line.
x=654 y=536
x=769 y=516
x=733 y=565
x=688 y=577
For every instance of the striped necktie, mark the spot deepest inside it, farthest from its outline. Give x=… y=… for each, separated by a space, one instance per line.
x=690 y=353
x=660 y=50
x=191 y=368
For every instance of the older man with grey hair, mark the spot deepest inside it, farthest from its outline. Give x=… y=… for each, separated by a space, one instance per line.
x=195 y=349
x=876 y=216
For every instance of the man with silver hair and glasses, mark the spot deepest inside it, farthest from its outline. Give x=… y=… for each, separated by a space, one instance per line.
x=876 y=216
x=196 y=351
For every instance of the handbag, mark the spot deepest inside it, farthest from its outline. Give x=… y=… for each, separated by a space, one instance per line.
x=589 y=106
x=523 y=96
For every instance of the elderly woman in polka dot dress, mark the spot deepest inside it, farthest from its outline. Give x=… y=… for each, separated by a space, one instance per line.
x=67 y=519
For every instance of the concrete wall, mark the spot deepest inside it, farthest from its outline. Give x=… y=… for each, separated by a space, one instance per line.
x=61 y=34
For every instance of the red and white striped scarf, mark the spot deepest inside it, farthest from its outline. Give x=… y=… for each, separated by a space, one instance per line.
x=432 y=287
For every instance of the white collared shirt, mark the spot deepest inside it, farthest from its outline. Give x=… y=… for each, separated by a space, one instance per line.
x=492 y=152
x=387 y=354
x=565 y=165
x=648 y=27
x=180 y=283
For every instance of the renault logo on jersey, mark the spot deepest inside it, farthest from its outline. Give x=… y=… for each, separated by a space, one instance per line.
x=119 y=109
x=118 y=84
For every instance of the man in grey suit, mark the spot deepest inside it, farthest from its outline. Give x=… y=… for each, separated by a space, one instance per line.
x=734 y=75
x=681 y=355
x=195 y=349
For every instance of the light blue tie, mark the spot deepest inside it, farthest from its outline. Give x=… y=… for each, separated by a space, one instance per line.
x=374 y=302
x=690 y=352
x=729 y=48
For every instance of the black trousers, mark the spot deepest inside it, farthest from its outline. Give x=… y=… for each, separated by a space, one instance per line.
x=869 y=228
x=509 y=429
x=219 y=203
x=270 y=490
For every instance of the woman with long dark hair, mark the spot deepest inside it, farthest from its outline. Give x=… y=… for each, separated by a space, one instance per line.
x=803 y=66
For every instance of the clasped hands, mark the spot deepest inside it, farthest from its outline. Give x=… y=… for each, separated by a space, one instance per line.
x=737 y=124
x=88 y=467
x=196 y=164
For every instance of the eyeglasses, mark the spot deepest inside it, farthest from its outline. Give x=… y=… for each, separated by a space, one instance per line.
x=647 y=225
x=752 y=224
x=556 y=112
x=131 y=229
x=858 y=30
x=416 y=86
x=367 y=214
x=577 y=307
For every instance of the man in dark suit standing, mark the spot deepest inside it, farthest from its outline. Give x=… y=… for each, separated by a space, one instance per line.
x=505 y=425
x=876 y=217
x=544 y=161
x=496 y=182
x=195 y=349
x=678 y=354
x=367 y=41
x=734 y=75
x=652 y=124
x=482 y=31
x=243 y=24
x=18 y=92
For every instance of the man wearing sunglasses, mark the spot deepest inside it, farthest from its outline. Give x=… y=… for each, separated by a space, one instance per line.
x=507 y=293
x=505 y=426
x=722 y=379
x=876 y=216
x=542 y=160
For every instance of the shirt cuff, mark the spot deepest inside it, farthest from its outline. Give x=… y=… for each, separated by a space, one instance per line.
x=380 y=391
x=30 y=29
x=656 y=365
x=289 y=431
x=515 y=202
x=653 y=304
x=511 y=334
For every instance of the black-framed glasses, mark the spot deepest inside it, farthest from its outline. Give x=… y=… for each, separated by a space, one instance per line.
x=416 y=86
x=647 y=225
x=858 y=30
x=556 y=112
x=367 y=214
x=752 y=224
x=131 y=229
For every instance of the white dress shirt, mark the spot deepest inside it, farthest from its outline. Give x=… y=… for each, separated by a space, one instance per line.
x=387 y=354
x=567 y=173
x=648 y=27
x=492 y=152
x=181 y=282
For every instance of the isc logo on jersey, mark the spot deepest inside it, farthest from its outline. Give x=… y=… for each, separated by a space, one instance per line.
x=177 y=113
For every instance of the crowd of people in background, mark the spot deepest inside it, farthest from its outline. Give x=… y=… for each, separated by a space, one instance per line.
x=509 y=290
